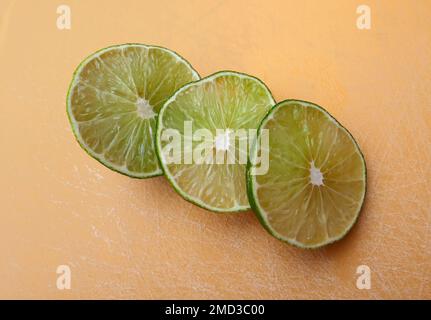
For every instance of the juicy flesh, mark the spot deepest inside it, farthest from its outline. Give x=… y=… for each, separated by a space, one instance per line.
x=315 y=185
x=228 y=103
x=115 y=100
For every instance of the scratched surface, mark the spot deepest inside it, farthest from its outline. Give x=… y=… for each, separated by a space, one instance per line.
x=126 y=238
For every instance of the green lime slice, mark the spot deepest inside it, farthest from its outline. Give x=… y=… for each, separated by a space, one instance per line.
x=113 y=102
x=225 y=108
x=315 y=186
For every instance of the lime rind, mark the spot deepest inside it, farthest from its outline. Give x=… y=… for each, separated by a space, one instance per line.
x=159 y=127
x=251 y=179
x=75 y=78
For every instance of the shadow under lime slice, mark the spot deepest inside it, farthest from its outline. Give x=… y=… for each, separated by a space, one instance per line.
x=114 y=99
x=223 y=106
x=315 y=186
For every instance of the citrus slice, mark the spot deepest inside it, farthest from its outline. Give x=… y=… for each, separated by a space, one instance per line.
x=113 y=102
x=315 y=186
x=212 y=118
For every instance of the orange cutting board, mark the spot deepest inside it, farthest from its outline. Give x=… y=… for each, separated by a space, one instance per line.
x=127 y=238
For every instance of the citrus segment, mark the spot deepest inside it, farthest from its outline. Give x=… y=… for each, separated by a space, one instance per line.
x=113 y=102
x=224 y=106
x=315 y=186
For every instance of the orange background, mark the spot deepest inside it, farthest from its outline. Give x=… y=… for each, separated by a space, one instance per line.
x=126 y=238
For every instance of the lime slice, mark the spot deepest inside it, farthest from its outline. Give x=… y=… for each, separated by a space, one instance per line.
x=314 y=188
x=224 y=107
x=113 y=102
